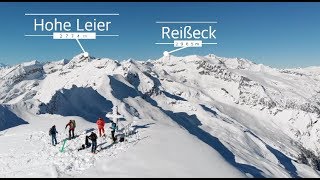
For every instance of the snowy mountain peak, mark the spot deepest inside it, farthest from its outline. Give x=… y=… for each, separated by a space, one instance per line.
x=63 y=61
x=211 y=56
x=31 y=63
x=81 y=58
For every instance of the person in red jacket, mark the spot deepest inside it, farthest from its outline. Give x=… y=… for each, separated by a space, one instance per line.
x=100 y=123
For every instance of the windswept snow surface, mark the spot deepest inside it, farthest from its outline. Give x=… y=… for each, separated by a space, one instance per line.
x=193 y=116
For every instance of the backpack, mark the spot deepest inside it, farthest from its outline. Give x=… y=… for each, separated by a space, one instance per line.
x=52 y=131
x=121 y=139
x=74 y=123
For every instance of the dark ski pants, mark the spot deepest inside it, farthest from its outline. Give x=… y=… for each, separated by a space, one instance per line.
x=54 y=139
x=112 y=135
x=94 y=146
x=71 y=131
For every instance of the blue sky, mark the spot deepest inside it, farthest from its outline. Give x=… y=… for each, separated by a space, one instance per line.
x=275 y=34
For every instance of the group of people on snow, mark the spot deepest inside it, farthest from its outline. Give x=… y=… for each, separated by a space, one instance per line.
x=93 y=136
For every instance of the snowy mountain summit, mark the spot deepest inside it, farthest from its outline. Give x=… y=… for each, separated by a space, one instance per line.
x=192 y=116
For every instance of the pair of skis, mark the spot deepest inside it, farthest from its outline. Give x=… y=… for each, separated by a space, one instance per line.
x=64 y=143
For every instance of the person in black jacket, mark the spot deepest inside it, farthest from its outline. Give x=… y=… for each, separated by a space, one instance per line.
x=53 y=132
x=93 y=137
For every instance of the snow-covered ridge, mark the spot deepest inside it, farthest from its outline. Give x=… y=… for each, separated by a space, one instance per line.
x=254 y=119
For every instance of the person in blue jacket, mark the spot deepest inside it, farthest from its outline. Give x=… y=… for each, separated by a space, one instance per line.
x=113 y=129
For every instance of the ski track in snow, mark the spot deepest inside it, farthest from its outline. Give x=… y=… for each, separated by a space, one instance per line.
x=41 y=159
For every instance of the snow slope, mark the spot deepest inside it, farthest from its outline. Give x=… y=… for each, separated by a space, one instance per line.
x=188 y=116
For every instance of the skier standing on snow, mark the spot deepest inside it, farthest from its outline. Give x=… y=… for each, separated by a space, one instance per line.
x=101 y=123
x=113 y=129
x=53 y=131
x=72 y=125
x=115 y=116
x=93 y=137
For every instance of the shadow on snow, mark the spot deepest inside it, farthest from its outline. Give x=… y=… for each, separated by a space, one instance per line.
x=8 y=119
x=78 y=101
